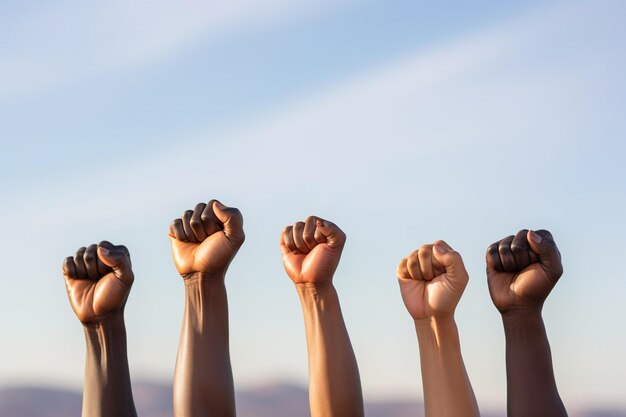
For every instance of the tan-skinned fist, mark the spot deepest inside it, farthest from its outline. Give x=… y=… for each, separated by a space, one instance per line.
x=206 y=239
x=432 y=280
x=311 y=250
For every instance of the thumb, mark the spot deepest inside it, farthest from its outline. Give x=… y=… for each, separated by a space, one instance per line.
x=334 y=236
x=232 y=220
x=118 y=259
x=452 y=262
x=542 y=243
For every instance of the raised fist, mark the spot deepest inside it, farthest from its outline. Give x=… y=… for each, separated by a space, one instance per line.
x=206 y=239
x=98 y=280
x=523 y=269
x=432 y=280
x=311 y=250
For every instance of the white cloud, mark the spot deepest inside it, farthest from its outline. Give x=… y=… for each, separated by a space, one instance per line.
x=66 y=42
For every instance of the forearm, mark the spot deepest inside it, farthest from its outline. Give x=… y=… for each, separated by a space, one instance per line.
x=447 y=388
x=334 y=382
x=107 y=390
x=203 y=379
x=531 y=385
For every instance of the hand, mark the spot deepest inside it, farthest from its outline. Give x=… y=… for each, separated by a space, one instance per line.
x=206 y=239
x=523 y=269
x=432 y=280
x=311 y=250
x=98 y=280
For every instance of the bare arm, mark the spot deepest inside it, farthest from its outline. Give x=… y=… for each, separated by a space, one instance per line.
x=204 y=241
x=107 y=390
x=432 y=281
x=311 y=252
x=522 y=270
x=98 y=280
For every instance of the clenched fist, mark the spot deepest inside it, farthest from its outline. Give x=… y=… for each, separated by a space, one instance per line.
x=98 y=280
x=523 y=269
x=432 y=280
x=206 y=239
x=311 y=250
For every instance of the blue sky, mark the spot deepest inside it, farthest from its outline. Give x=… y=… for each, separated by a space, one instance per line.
x=403 y=123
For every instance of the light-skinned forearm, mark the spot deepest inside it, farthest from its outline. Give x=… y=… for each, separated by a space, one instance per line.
x=334 y=382
x=531 y=385
x=203 y=379
x=107 y=390
x=447 y=388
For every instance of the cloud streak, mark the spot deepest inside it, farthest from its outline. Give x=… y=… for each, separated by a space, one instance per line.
x=68 y=42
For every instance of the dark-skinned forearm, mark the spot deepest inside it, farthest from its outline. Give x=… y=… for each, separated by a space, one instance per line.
x=447 y=388
x=531 y=386
x=203 y=380
x=107 y=389
x=334 y=382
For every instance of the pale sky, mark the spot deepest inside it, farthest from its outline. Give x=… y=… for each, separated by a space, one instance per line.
x=403 y=124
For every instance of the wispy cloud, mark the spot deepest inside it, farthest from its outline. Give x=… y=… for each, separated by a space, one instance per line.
x=67 y=42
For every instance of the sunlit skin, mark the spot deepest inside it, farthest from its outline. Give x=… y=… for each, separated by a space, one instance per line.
x=522 y=270
x=204 y=242
x=432 y=280
x=311 y=251
x=98 y=280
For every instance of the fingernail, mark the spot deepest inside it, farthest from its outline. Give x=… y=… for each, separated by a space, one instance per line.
x=104 y=251
x=219 y=205
x=440 y=248
x=535 y=237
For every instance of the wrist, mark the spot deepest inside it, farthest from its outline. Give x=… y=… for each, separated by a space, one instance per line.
x=112 y=319
x=203 y=276
x=314 y=288
x=522 y=313
x=434 y=322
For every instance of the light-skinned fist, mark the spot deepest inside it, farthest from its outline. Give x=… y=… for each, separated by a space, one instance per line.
x=206 y=239
x=432 y=280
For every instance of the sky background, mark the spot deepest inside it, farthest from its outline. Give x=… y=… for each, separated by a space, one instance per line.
x=403 y=122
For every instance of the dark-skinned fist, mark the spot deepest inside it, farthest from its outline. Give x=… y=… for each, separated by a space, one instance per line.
x=98 y=280
x=523 y=269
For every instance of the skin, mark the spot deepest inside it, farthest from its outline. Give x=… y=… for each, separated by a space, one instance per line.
x=522 y=270
x=311 y=251
x=98 y=280
x=204 y=242
x=432 y=280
